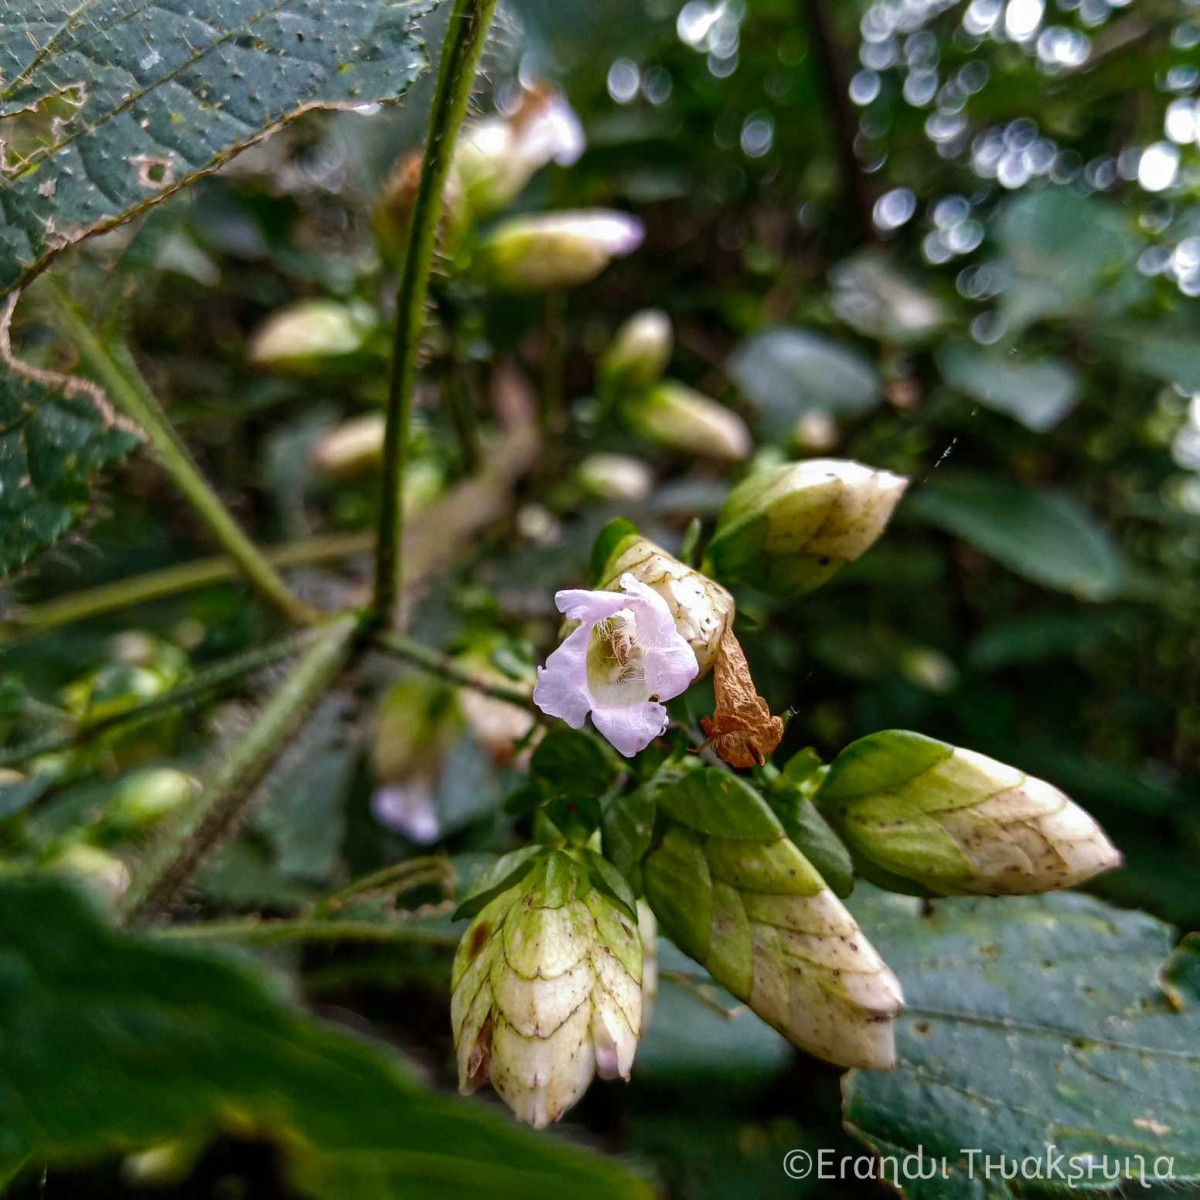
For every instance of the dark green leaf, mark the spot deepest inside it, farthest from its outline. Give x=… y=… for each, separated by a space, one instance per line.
x=106 y=112
x=115 y=1042
x=627 y=827
x=571 y=761
x=1045 y=536
x=814 y=838
x=50 y=445
x=1031 y=1022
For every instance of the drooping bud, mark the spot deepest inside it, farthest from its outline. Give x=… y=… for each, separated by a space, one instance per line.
x=735 y=894
x=615 y=477
x=558 y=250
x=101 y=872
x=547 y=990
x=681 y=418
x=639 y=353
x=311 y=336
x=495 y=158
x=701 y=608
x=788 y=529
x=392 y=218
x=956 y=822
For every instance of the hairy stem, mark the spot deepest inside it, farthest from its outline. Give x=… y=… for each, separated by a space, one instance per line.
x=465 y=36
x=436 y=663
x=396 y=879
x=31 y=619
x=172 y=861
x=196 y=689
x=128 y=391
x=303 y=929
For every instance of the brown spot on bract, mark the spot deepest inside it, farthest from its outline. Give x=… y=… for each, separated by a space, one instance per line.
x=479 y=937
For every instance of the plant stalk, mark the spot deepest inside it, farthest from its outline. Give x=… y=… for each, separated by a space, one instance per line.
x=276 y=933
x=172 y=861
x=465 y=37
x=442 y=665
x=128 y=391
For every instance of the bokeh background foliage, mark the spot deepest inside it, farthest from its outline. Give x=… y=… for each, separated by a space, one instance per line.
x=958 y=240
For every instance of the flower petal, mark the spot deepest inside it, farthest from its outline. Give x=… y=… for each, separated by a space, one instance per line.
x=562 y=689
x=656 y=625
x=578 y=604
x=633 y=728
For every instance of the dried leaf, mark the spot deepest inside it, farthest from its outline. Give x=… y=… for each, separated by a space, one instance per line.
x=742 y=730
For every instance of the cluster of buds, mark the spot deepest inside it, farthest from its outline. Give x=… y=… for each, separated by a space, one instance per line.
x=665 y=411
x=735 y=894
x=790 y=528
x=954 y=821
x=546 y=989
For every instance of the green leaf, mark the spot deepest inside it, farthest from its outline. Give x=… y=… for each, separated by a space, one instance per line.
x=506 y=872
x=719 y=804
x=813 y=836
x=1044 y=536
x=1039 y=394
x=571 y=761
x=611 y=882
x=608 y=545
x=116 y=1043
x=107 y=111
x=787 y=372
x=1032 y=1022
x=50 y=445
x=627 y=827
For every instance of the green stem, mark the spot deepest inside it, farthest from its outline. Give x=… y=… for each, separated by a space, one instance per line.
x=115 y=369
x=170 y=863
x=195 y=689
x=462 y=413
x=276 y=933
x=172 y=581
x=465 y=36
x=436 y=663
x=397 y=878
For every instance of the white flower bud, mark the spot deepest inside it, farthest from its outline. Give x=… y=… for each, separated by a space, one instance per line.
x=958 y=822
x=639 y=352
x=558 y=250
x=547 y=992
x=310 y=335
x=681 y=418
x=788 y=529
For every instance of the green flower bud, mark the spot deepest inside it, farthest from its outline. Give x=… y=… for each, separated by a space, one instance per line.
x=615 y=477
x=679 y=417
x=558 y=250
x=955 y=822
x=419 y=720
x=639 y=352
x=311 y=335
x=143 y=798
x=547 y=991
x=733 y=892
x=788 y=529
x=703 y=610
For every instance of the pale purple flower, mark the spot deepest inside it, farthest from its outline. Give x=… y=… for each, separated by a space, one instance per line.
x=624 y=658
